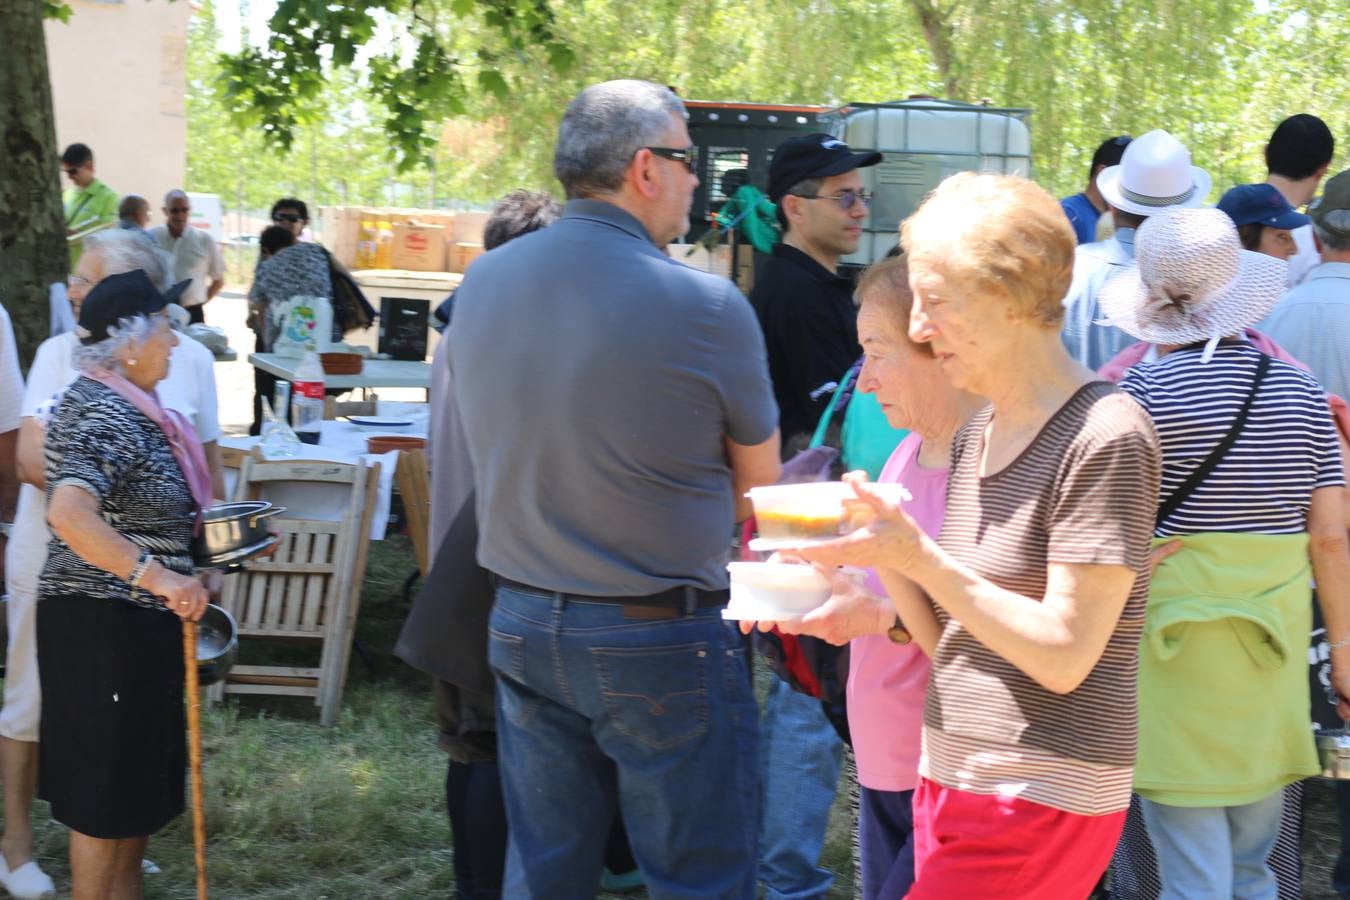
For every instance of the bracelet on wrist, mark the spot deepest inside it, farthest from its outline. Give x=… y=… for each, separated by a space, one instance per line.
x=142 y=566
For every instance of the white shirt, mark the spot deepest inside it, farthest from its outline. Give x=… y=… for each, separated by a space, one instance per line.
x=1305 y=258
x=1092 y=344
x=195 y=255
x=1312 y=322
x=11 y=381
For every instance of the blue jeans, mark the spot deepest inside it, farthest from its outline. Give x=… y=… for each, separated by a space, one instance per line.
x=800 y=755
x=598 y=712
x=1215 y=851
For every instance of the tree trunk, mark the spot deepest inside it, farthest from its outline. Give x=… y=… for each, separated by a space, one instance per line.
x=33 y=251
x=937 y=32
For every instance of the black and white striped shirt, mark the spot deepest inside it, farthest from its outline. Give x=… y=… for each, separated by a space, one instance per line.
x=1285 y=451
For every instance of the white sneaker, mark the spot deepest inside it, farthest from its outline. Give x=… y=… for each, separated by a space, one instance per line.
x=27 y=882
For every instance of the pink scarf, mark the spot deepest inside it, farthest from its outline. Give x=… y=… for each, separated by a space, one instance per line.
x=184 y=443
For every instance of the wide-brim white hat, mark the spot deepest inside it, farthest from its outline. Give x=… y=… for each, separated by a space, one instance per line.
x=1191 y=281
x=1155 y=173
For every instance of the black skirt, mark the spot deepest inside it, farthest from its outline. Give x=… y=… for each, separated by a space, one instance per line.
x=113 y=751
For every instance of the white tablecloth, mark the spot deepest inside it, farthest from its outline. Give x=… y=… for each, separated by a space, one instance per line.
x=341 y=441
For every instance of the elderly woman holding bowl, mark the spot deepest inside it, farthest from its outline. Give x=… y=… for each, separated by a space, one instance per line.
x=888 y=673
x=125 y=481
x=1031 y=600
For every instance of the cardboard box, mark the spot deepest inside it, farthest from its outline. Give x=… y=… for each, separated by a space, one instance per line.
x=468 y=227
x=745 y=268
x=420 y=248
x=462 y=253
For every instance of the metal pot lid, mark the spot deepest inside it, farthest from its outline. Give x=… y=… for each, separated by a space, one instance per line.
x=239 y=509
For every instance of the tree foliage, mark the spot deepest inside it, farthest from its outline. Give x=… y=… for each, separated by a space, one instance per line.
x=1217 y=73
x=418 y=79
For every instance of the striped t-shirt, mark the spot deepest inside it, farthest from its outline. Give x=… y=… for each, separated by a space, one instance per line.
x=1084 y=491
x=1285 y=451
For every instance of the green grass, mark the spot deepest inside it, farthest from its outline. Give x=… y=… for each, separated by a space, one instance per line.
x=355 y=811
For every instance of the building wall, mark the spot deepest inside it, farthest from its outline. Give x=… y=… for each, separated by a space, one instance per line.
x=118 y=83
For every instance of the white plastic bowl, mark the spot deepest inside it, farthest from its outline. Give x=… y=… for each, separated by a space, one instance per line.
x=774 y=591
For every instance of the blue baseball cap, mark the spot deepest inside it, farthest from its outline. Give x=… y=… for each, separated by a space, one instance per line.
x=1262 y=204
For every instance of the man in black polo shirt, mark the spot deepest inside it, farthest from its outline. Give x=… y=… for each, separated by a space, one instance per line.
x=809 y=320
x=804 y=306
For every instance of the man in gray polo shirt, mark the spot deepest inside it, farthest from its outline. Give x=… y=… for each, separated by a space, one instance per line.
x=616 y=404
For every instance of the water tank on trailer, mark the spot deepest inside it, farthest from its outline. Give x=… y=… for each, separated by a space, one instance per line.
x=924 y=141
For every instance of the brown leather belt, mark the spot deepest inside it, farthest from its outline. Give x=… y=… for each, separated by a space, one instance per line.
x=668 y=604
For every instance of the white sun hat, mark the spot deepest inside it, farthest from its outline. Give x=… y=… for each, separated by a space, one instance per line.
x=1154 y=174
x=1191 y=281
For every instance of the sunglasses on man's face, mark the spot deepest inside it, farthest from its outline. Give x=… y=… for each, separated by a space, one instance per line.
x=845 y=199
x=285 y=217
x=688 y=156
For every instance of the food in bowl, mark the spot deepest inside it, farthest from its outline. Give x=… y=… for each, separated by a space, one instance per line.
x=778 y=524
x=814 y=511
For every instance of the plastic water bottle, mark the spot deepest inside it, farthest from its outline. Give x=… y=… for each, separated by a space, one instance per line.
x=307 y=398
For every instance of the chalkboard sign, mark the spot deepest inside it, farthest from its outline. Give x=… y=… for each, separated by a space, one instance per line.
x=403 y=327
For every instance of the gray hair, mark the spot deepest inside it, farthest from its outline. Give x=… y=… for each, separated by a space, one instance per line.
x=1337 y=241
x=604 y=126
x=126 y=251
x=131 y=205
x=131 y=331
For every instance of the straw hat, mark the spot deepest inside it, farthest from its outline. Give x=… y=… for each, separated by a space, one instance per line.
x=1191 y=281
x=1154 y=174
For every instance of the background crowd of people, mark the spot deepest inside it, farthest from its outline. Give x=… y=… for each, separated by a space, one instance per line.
x=1081 y=564
x=1075 y=657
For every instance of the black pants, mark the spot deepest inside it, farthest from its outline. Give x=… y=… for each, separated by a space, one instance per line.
x=197 y=314
x=264 y=385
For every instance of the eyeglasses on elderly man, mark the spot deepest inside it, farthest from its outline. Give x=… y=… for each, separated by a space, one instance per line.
x=688 y=156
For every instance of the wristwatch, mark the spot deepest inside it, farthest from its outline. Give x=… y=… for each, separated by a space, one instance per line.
x=897 y=633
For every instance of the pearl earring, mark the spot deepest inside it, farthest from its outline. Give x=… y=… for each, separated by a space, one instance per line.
x=132 y=361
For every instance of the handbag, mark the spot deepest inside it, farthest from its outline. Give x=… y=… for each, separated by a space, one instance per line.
x=351 y=309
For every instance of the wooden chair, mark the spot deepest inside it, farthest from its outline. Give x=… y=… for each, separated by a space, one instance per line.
x=310 y=590
x=233 y=457
x=413 y=484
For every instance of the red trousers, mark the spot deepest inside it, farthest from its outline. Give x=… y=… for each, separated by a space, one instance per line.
x=984 y=845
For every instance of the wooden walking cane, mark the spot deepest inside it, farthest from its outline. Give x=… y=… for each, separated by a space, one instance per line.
x=194 y=714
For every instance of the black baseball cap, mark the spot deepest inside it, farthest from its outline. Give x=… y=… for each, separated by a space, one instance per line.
x=121 y=297
x=817 y=155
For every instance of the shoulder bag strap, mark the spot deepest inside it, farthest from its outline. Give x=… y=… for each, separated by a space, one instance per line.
x=76 y=211
x=1216 y=456
x=823 y=425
